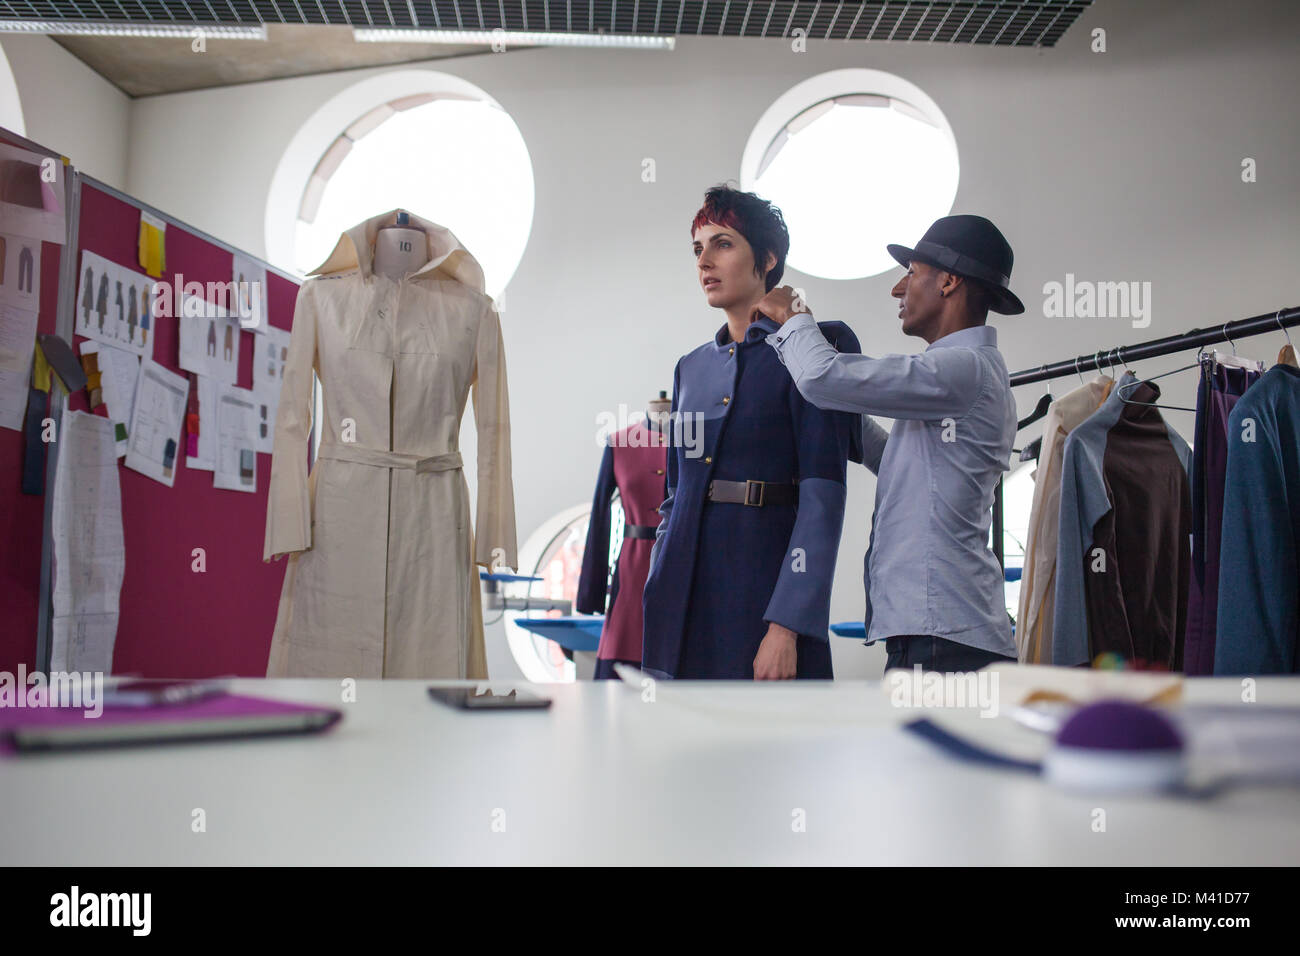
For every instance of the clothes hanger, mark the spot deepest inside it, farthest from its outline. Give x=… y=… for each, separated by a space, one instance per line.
x=1287 y=355
x=1097 y=361
x=1123 y=395
x=1234 y=360
x=1030 y=451
x=1040 y=409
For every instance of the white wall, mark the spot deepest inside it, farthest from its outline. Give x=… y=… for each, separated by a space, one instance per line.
x=69 y=107
x=1115 y=166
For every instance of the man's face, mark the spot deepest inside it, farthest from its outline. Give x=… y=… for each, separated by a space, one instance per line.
x=724 y=261
x=919 y=304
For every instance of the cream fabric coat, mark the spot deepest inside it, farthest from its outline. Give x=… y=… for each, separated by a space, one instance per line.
x=1038 y=579
x=381 y=580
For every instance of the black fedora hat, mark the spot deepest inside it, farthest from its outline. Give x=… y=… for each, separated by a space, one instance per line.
x=969 y=246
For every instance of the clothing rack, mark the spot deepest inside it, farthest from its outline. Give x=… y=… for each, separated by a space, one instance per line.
x=1193 y=339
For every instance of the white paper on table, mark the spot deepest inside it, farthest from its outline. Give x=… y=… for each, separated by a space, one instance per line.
x=119 y=373
x=209 y=339
x=236 y=439
x=270 y=349
x=249 y=280
x=206 y=459
x=153 y=445
x=115 y=305
x=34 y=202
x=20 y=271
x=89 y=547
x=17 y=340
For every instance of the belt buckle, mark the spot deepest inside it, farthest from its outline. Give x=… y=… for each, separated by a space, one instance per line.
x=750 y=484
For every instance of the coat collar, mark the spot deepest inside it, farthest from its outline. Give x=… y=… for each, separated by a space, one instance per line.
x=356 y=249
x=759 y=329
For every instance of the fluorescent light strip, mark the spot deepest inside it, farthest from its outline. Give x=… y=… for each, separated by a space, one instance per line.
x=515 y=37
x=74 y=28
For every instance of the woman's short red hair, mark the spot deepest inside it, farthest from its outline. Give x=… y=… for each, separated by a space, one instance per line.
x=760 y=222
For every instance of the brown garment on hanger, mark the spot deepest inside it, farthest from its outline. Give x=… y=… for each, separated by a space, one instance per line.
x=1137 y=605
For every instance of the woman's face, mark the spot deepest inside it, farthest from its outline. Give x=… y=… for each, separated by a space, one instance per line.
x=724 y=261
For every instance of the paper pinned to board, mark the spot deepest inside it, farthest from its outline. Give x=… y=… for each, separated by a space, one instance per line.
x=206 y=459
x=236 y=422
x=119 y=373
x=32 y=204
x=17 y=343
x=115 y=305
x=270 y=350
x=249 y=278
x=89 y=547
x=209 y=339
x=20 y=271
x=153 y=443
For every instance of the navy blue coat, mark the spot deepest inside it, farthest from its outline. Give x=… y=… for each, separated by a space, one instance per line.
x=720 y=572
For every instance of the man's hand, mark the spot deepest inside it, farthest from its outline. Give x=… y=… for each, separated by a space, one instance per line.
x=780 y=305
x=777 y=657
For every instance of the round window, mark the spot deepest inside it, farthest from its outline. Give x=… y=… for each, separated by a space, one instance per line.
x=855 y=159
x=423 y=141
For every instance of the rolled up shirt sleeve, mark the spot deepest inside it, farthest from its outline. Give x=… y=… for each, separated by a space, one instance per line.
x=873 y=443
x=933 y=384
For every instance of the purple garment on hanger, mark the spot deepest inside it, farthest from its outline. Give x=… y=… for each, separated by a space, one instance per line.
x=1220 y=388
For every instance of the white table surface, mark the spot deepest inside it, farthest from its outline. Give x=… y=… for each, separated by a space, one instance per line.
x=706 y=773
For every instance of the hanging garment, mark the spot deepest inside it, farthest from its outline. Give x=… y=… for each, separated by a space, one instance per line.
x=381 y=579
x=1259 y=563
x=1123 y=559
x=1220 y=388
x=634 y=464
x=1038 y=579
x=721 y=570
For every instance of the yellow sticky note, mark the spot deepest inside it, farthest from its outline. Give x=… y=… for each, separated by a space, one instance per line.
x=152 y=250
x=41 y=371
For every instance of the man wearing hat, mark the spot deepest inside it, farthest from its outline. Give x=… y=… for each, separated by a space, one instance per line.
x=935 y=591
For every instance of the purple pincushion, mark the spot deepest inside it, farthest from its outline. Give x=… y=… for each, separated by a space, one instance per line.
x=1119 y=725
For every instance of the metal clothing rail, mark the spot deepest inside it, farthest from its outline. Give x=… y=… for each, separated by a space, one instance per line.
x=1107 y=358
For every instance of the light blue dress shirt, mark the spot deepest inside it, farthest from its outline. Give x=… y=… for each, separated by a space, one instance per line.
x=928 y=568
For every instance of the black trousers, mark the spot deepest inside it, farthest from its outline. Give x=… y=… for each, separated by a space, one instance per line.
x=937 y=654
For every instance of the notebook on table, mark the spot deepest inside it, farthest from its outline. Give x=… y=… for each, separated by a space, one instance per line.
x=228 y=716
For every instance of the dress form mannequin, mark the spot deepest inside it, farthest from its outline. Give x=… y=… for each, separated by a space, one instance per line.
x=400 y=249
x=657 y=410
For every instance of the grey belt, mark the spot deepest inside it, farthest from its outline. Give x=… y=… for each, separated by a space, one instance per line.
x=359 y=454
x=753 y=493
x=640 y=531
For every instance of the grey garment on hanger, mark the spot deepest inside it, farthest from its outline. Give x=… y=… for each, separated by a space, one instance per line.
x=1084 y=500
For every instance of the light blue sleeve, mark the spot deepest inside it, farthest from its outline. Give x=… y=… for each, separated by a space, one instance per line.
x=874 y=438
x=934 y=384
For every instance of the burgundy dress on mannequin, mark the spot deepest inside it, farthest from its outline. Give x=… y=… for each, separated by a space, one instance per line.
x=634 y=463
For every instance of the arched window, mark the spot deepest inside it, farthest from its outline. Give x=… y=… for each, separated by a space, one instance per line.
x=420 y=140
x=11 y=109
x=855 y=159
